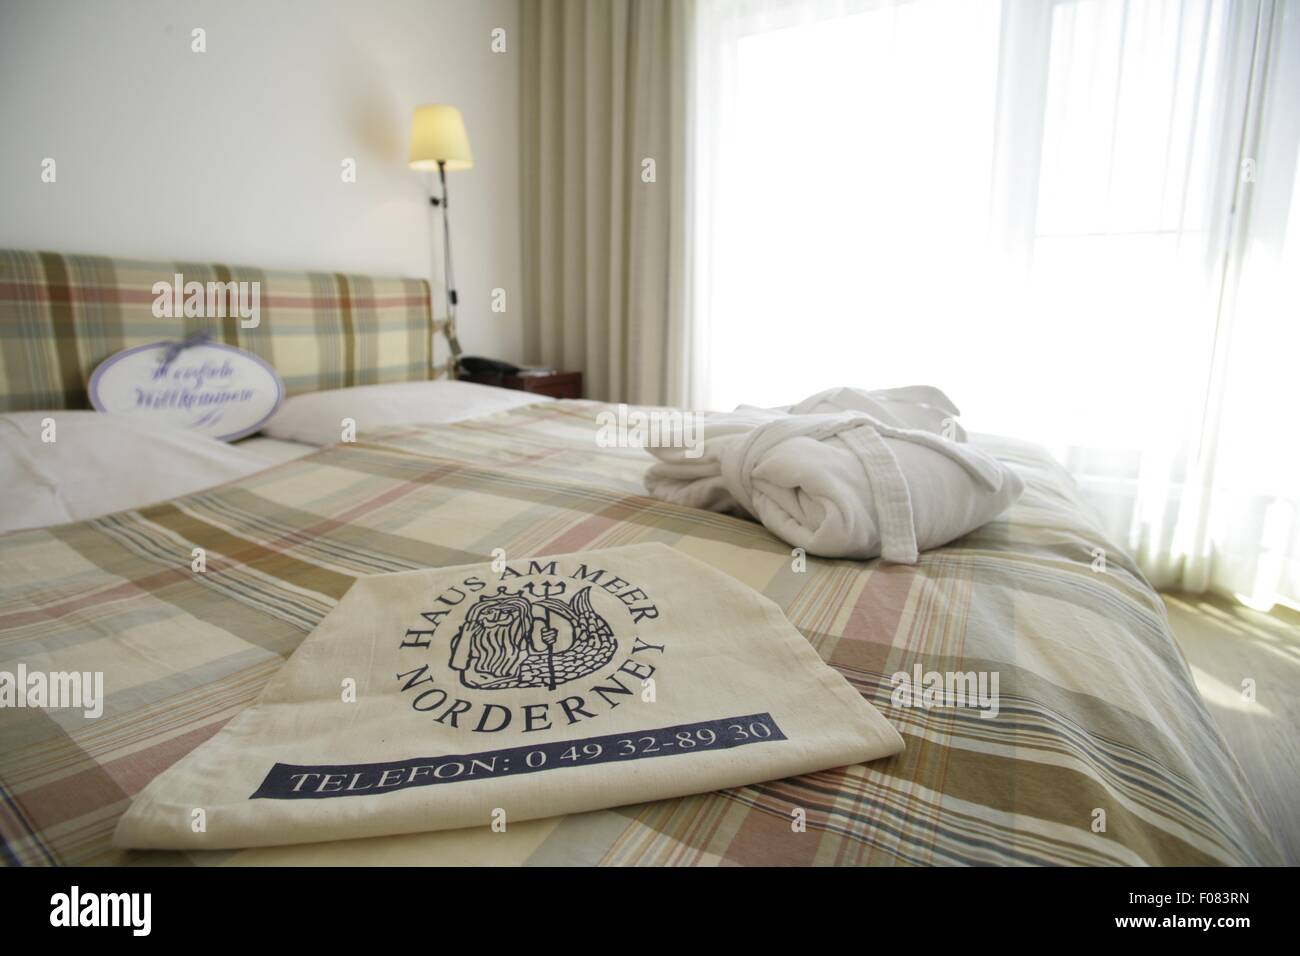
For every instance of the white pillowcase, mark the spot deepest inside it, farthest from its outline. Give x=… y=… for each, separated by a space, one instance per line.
x=273 y=451
x=99 y=464
x=316 y=418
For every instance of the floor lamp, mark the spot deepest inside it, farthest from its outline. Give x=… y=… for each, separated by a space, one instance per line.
x=439 y=141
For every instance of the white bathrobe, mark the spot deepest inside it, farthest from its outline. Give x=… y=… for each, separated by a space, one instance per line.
x=843 y=483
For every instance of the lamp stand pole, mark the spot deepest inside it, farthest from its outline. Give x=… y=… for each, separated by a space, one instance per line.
x=448 y=274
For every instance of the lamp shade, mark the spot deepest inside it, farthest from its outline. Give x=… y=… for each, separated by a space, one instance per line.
x=438 y=135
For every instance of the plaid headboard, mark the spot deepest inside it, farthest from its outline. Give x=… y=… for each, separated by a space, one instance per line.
x=61 y=315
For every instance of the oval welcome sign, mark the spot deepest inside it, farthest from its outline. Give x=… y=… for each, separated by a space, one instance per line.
x=213 y=389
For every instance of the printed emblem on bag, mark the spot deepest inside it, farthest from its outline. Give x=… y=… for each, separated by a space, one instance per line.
x=535 y=646
x=525 y=640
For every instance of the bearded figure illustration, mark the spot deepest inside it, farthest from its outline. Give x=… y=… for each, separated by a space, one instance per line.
x=530 y=638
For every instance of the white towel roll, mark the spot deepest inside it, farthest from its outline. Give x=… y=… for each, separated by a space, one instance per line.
x=846 y=473
x=849 y=486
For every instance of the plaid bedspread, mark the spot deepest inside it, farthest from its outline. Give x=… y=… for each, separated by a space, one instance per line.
x=1101 y=751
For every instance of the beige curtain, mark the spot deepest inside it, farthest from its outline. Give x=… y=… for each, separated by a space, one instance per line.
x=605 y=130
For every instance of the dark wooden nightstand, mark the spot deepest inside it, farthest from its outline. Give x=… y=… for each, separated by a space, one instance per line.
x=554 y=384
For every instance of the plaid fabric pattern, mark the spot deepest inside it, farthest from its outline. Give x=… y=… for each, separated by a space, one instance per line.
x=61 y=315
x=1098 y=711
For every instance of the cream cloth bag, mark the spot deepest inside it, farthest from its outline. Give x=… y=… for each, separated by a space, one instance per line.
x=460 y=697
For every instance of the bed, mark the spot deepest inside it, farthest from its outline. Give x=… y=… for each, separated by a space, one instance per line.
x=1102 y=751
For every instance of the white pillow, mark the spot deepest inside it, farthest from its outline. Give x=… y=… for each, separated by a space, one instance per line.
x=99 y=464
x=316 y=418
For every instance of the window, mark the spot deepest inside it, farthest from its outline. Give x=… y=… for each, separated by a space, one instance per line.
x=1044 y=208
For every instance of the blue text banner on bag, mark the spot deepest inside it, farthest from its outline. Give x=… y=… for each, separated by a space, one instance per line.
x=294 y=782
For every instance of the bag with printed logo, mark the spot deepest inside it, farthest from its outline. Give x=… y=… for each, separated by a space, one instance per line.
x=434 y=699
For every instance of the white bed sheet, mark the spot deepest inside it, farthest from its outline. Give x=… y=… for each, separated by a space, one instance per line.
x=61 y=466
x=98 y=464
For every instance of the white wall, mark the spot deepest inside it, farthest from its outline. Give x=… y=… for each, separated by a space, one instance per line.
x=234 y=155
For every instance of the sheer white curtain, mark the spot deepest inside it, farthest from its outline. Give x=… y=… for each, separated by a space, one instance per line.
x=1073 y=216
